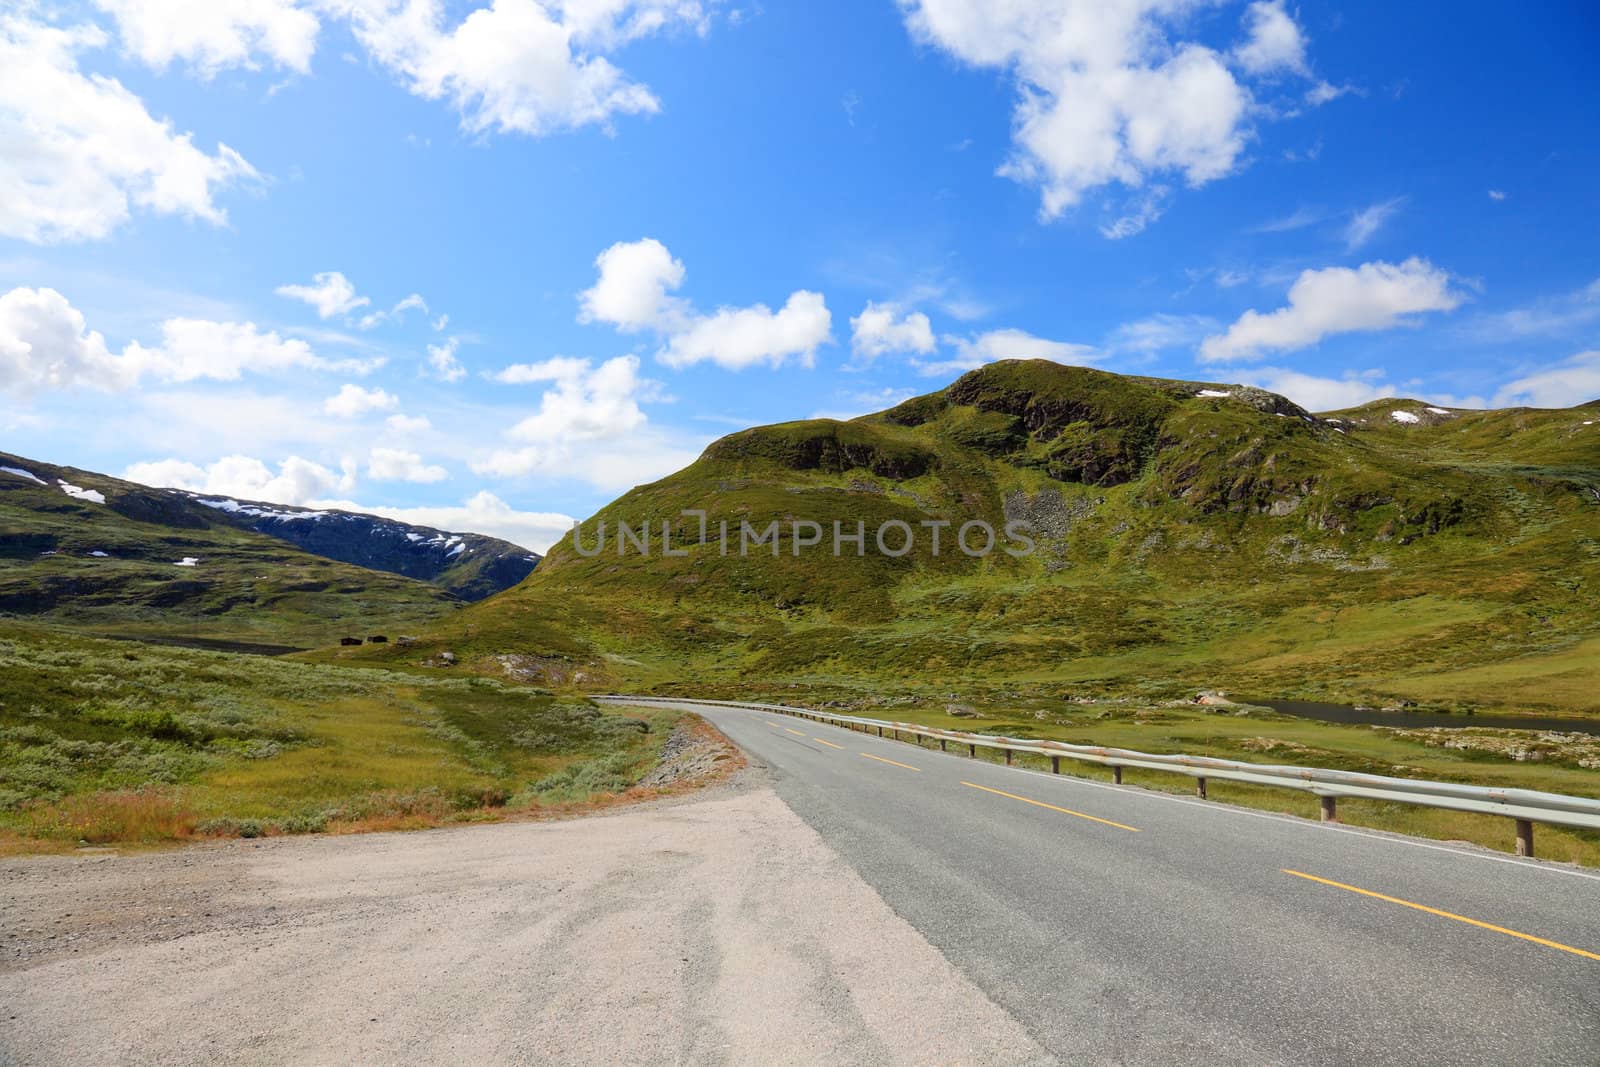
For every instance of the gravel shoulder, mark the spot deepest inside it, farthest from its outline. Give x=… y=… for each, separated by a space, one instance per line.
x=713 y=928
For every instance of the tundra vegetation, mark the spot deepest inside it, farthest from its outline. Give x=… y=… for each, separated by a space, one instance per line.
x=1191 y=536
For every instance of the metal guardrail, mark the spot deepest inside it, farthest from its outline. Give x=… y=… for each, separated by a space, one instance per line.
x=1525 y=806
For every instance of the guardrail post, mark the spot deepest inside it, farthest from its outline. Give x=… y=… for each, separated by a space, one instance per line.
x=941 y=745
x=1330 y=809
x=1116 y=775
x=1055 y=764
x=972 y=750
x=897 y=735
x=1200 y=788
x=1524 y=837
x=1008 y=757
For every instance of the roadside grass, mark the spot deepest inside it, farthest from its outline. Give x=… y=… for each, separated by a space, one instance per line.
x=109 y=743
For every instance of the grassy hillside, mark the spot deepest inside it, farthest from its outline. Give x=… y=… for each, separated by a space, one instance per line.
x=1189 y=535
x=104 y=741
x=107 y=556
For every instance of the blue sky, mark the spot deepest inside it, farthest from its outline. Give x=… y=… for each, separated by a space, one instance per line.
x=630 y=226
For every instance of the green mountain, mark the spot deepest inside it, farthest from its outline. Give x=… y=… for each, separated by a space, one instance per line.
x=1186 y=535
x=98 y=553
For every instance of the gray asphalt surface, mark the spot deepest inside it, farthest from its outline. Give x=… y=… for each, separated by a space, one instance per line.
x=1186 y=941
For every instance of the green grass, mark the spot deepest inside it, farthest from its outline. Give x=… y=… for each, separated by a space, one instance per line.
x=109 y=741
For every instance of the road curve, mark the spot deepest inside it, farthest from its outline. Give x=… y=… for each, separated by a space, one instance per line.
x=1120 y=925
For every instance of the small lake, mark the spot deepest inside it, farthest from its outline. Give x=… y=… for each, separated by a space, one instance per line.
x=1416 y=720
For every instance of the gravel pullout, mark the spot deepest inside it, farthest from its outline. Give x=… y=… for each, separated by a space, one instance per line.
x=719 y=929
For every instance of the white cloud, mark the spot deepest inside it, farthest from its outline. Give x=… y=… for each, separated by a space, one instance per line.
x=1161 y=332
x=518 y=66
x=1364 y=224
x=78 y=154
x=210 y=35
x=880 y=329
x=1327 y=92
x=1561 y=316
x=632 y=287
x=483 y=513
x=589 y=425
x=975 y=351
x=1497 y=194
x=414 y=301
x=407 y=425
x=398 y=465
x=1575 y=381
x=1373 y=296
x=632 y=292
x=1322 y=394
x=1105 y=96
x=736 y=338
x=1143 y=210
x=45 y=344
x=352 y=401
x=330 y=293
x=442 y=359
x=296 y=482
x=1275 y=44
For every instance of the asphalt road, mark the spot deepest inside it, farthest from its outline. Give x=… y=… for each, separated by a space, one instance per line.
x=1119 y=925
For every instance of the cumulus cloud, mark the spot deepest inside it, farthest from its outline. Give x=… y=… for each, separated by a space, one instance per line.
x=210 y=35
x=443 y=362
x=881 y=329
x=518 y=66
x=1322 y=394
x=1575 y=381
x=296 y=482
x=398 y=465
x=1373 y=296
x=330 y=293
x=352 y=401
x=736 y=338
x=1105 y=95
x=588 y=425
x=1275 y=41
x=79 y=153
x=632 y=292
x=976 y=350
x=632 y=287
x=46 y=344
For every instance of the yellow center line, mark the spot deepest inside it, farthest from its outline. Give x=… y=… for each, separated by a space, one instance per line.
x=1445 y=914
x=891 y=762
x=797 y=733
x=830 y=744
x=1052 y=807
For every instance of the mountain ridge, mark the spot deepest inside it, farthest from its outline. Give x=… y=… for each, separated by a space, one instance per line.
x=1192 y=535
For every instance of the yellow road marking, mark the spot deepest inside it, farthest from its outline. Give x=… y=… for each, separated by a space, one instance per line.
x=830 y=744
x=1052 y=807
x=891 y=762
x=797 y=733
x=1445 y=914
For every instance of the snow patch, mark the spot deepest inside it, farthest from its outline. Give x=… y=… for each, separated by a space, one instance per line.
x=1213 y=392
x=78 y=492
x=187 y=561
x=234 y=507
x=413 y=537
x=1404 y=416
x=1441 y=411
x=456 y=551
x=99 y=554
x=22 y=474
